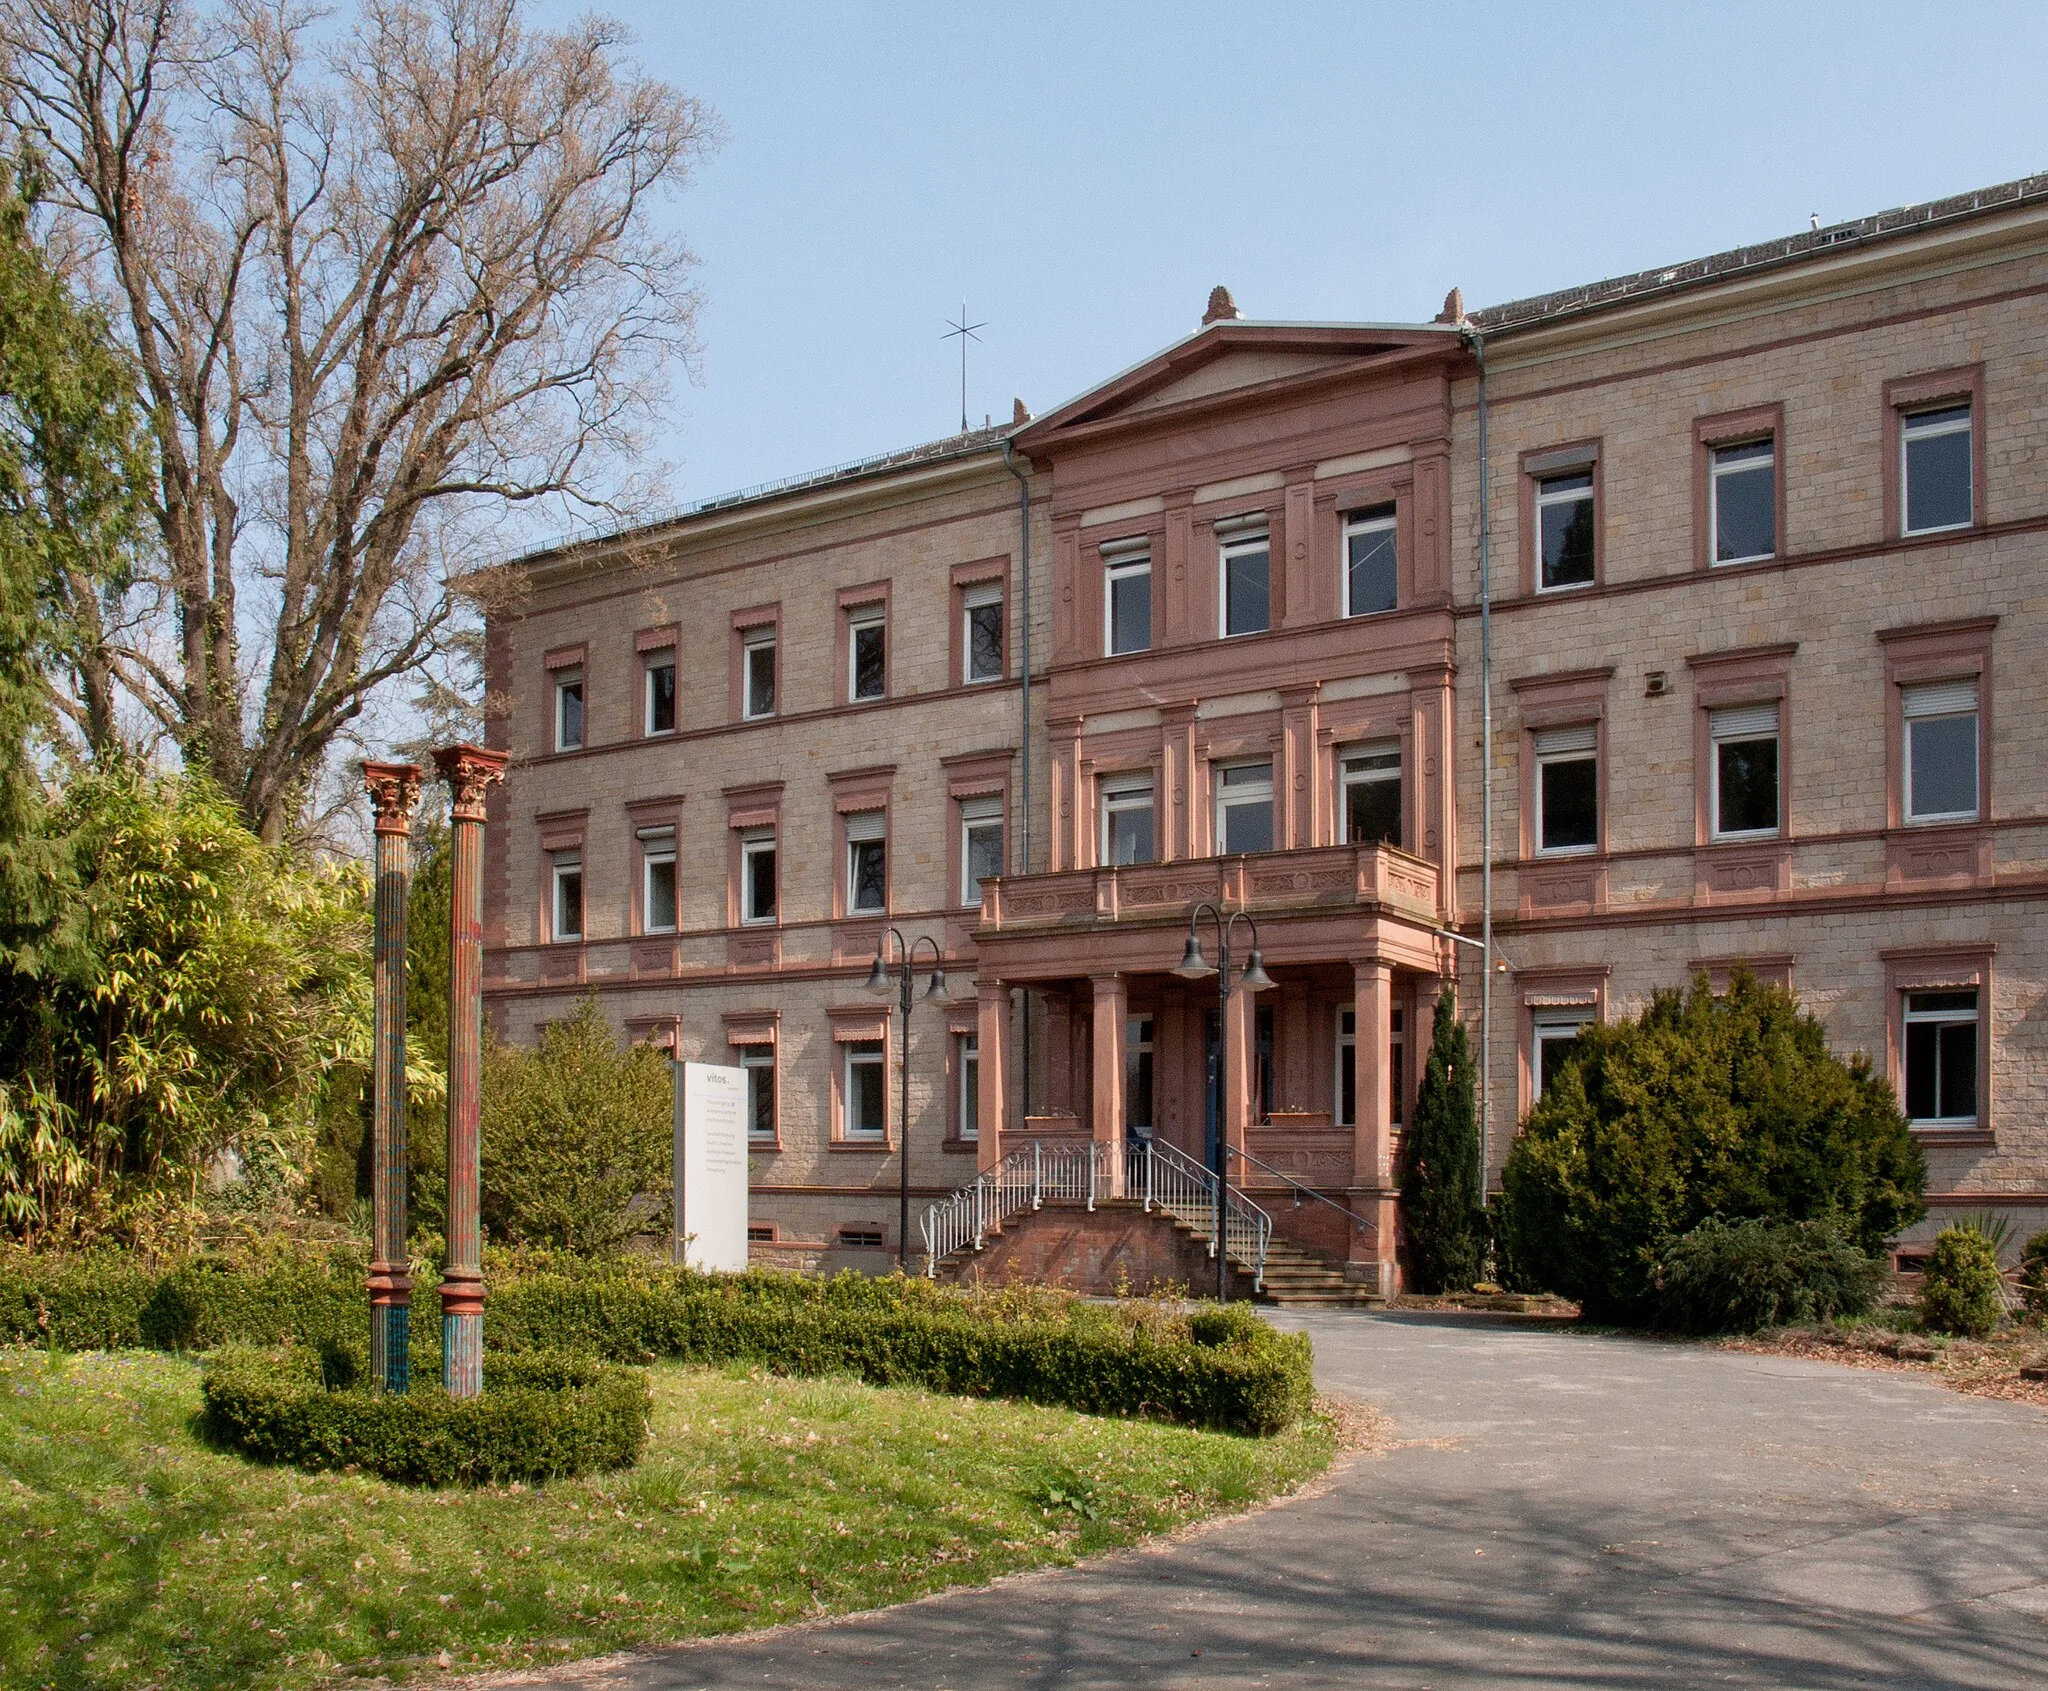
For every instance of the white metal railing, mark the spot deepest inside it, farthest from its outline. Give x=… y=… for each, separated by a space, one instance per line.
x=1155 y=1175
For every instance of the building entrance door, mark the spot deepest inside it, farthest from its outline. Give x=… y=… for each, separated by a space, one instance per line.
x=1212 y=1093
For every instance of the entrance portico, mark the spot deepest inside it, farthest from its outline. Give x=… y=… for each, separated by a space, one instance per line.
x=1316 y=1080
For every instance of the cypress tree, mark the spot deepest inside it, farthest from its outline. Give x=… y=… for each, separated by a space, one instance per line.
x=1440 y=1203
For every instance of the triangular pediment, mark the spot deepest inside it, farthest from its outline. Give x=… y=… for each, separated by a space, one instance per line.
x=1225 y=358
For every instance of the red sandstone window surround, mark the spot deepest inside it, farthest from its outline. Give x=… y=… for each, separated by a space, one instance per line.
x=563 y=877
x=752 y=814
x=1937 y=689
x=1742 y=743
x=664 y=1033
x=979 y=651
x=1939 y=1047
x=1563 y=518
x=657 y=650
x=1555 y=1004
x=753 y=1043
x=864 y=864
x=656 y=893
x=978 y=800
x=754 y=685
x=1924 y=421
x=567 y=697
x=865 y=649
x=862 y=1063
x=1738 y=489
x=963 y=1077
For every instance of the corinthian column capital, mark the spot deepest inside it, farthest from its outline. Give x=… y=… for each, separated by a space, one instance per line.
x=469 y=770
x=394 y=790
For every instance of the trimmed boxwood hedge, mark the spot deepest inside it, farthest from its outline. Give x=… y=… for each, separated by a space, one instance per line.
x=541 y=1417
x=1220 y=1368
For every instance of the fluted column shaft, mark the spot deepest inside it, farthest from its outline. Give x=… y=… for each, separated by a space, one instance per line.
x=394 y=789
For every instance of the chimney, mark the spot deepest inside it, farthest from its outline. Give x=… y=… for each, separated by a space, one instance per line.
x=1020 y=414
x=1454 y=307
x=1222 y=308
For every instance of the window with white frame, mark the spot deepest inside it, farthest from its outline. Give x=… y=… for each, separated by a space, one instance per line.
x=757 y=875
x=1370 y=573
x=757 y=673
x=568 y=710
x=1247 y=577
x=657 y=880
x=1567 y=788
x=1935 y=473
x=967 y=1077
x=1369 y=781
x=981 y=844
x=660 y=692
x=867 y=862
x=1346 y=1089
x=1564 y=530
x=865 y=1080
x=1138 y=1077
x=566 y=874
x=1127 y=597
x=1556 y=1034
x=867 y=653
x=1742 y=499
x=1397 y=1066
x=981 y=632
x=1743 y=776
x=1941 y=1058
x=1127 y=827
x=1941 y=751
x=1244 y=807
x=757 y=1062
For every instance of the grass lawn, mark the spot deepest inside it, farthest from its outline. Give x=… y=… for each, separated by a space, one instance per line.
x=133 y=1555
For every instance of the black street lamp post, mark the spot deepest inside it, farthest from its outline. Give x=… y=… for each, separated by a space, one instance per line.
x=1252 y=977
x=882 y=979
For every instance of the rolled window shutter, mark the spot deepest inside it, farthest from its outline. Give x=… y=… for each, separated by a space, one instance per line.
x=1744 y=722
x=866 y=825
x=1552 y=742
x=1940 y=698
x=988 y=809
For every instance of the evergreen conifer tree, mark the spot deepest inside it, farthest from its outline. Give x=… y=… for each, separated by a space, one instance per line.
x=1440 y=1202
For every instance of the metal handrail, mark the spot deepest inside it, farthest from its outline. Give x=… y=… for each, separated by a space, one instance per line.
x=1300 y=1191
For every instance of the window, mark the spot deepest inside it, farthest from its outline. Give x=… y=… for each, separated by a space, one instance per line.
x=1247 y=557
x=1941 y=1058
x=967 y=1070
x=1557 y=1037
x=757 y=1062
x=860 y=1238
x=658 y=880
x=1127 y=598
x=568 y=710
x=867 y=654
x=1264 y=1021
x=757 y=673
x=760 y=1232
x=661 y=693
x=1138 y=1077
x=1370 y=778
x=1127 y=819
x=1564 y=530
x=865 y=1080
x=1567 y=788
x=1369 y=561
x=567 y=870
x=1941 y=751
x=1244 y=808
x=1742 y=493
x=1397 y=1066
x=981 y=633
x=867 y=862
x=981 y=845
x=1934 y=468
x=1744 y=772
x=1347 y=1067
x=757 y=875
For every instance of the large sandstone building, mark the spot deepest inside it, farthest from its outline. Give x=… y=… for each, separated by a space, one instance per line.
x=1739 y=567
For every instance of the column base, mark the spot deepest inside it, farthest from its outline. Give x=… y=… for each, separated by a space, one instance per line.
x=462 y=1333
x=390 y=1326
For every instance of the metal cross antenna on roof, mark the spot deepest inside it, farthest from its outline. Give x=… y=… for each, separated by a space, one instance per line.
x=964 y=330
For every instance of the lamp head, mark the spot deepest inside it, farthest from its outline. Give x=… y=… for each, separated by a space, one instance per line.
x=936 y=993
x=1193 y=966
x=1255 y=978
x=878 y=981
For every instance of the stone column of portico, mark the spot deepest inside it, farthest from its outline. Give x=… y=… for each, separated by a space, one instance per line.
x=1237 y=1102
x=1372 y=1253
x=1107 y=1044
x=469 y=771
x=394 y=789
x=1295 y=813
x=992 y=1038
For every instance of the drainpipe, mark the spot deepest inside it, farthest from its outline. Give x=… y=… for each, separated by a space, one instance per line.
x=1024 y=737
x=1477 y=343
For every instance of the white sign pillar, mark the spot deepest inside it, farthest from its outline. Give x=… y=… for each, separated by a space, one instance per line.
x=711 y=1167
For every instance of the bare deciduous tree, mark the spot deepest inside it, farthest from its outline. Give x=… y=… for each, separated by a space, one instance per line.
x=383 y=281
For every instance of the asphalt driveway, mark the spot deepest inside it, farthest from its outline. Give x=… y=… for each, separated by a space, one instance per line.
x=1564 y=1511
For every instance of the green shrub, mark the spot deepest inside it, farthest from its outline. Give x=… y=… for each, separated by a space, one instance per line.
x=2034 y=1274
x=1739 y=1276
x=1961 y=1291
x=1443 y=1220
x=539 y=1418
x=1703 y=1106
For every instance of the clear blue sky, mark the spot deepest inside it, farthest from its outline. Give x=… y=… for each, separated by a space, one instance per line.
x=1083 y=174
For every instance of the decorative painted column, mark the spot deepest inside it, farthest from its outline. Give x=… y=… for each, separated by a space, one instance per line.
x=469 y=771
x=394 y=789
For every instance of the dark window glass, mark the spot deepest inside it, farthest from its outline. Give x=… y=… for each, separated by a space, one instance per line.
x=1245 y=802
x=661 y=698
x=1130 y=611
x=1247 y=602
x=970 y=1086
x=760 y=864
x=761 y=1095
x=1127 y=828
x=1371 y=569
x=1347 y=1073
x=1937 y=449
x=1748 y=786
x=985 y=642
x=1372 y=806
x=869 y=877
x=1571 y=803
x=864 y=1105
x=1138 y=1076
x=1554 y=1049
x=1565 y=514
x=867 y=660
x=568 y=901
x=1397 y=1052
x=984 y=857
x=1745 y=502
x=661 y=894
x=1943 y=778
x=569 y=716
x=1262 y=1062
x=761 y=679
x=1941 y=1056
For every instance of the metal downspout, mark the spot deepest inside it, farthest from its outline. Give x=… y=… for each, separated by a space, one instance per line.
x=1024 y=739
x=1477 y=343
